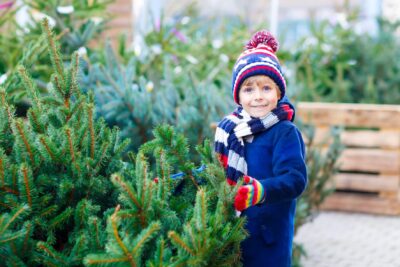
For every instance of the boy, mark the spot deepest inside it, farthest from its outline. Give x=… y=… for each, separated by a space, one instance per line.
x=259 y=142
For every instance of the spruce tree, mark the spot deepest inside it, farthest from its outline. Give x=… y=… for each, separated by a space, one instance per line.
x=54 y=169
x=67 y=198
x=185 y=221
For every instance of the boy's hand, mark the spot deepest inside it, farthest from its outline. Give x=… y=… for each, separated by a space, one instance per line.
x=250 y=194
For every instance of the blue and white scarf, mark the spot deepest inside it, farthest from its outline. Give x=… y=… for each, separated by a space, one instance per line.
x=229 y=143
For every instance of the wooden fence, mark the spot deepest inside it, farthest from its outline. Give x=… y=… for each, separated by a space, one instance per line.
x=369 y=176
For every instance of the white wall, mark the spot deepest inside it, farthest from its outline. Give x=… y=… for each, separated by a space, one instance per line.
x=391 y=9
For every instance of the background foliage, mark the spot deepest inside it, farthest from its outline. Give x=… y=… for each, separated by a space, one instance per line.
x=75 y=24
x=180 y=77
x=336 y=64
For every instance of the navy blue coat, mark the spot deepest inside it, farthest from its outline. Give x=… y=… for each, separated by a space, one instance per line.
x=276 y=157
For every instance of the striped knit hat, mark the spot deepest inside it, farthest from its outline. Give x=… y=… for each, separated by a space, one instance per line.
x=258 y=59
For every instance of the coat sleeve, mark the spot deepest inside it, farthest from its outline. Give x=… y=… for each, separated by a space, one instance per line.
x=289 y=169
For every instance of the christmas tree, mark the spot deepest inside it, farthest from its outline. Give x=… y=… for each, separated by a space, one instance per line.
x=157 y=224
x=54 y=173
x=67 y=198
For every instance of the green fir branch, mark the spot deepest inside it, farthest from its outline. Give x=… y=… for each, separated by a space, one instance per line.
x=126 y=189
x=10 y=115
x=200 y=211
x=20 y=129
x=102 y=157
x=160 y=252
x=71 y=148
x=49 y=211
x=176 y=148
x=81 y=213
x=3 y=96
x=14 y=261
x=60 y=219
x=143 y=179
x=51 y=257
x=84 y=209
x=50 y=147
x=57 y=85
x=2 y=165
x=27 y=186
x=118 y=145
x=90 y=109
x=234 y=236
x=6 y=222
x=95 y=231
x=28 y=234
x=177 y=240
x=76 y=108
x=78 y=250
x=114 y=226
x=55 y=56
x=74 y=87
x=163 y=172
x=104 y=260
x=141 y=172
x=29 y=85
x=145 y=237
x=82 y=134
x=8 y=238
x=34 y=120
x=195 y=240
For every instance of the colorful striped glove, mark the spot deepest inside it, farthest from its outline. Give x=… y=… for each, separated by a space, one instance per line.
x=250 y=194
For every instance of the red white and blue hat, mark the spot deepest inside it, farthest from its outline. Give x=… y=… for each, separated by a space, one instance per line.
x=258 y=59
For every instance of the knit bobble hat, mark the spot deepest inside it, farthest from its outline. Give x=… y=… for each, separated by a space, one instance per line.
x=258 y=59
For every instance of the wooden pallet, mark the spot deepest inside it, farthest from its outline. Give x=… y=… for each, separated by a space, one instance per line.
x=369 y=177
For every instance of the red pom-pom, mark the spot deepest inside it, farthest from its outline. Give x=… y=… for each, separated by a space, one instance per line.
x=240 y=198
x=263 y=37
x=247 y=179
x=243 y=190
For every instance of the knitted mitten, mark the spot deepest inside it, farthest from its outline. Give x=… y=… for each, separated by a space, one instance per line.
x=250 y=194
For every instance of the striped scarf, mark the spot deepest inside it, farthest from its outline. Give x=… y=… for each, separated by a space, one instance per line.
x=229 y=144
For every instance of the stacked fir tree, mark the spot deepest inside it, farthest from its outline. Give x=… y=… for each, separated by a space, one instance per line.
x=68 y=199
x=77 y=24
x=54 y=168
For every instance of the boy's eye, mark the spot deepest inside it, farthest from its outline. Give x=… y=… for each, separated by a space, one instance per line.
x=267 y=88
x=247 y=89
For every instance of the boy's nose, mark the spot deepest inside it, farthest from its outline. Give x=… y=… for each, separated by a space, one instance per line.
x=258 y=94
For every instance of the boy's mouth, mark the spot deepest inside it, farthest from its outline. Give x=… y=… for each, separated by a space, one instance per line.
x=259 y=106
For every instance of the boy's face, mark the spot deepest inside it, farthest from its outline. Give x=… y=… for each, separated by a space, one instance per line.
x=258 y=95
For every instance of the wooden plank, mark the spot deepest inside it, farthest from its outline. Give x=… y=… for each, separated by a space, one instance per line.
x=365 y=115
x=370 y=160
x=322 y=136
x=361 y=203
x=367 y=183
x=384 y=139
x=389 y=195
x=389 y=139
x=367 y=150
